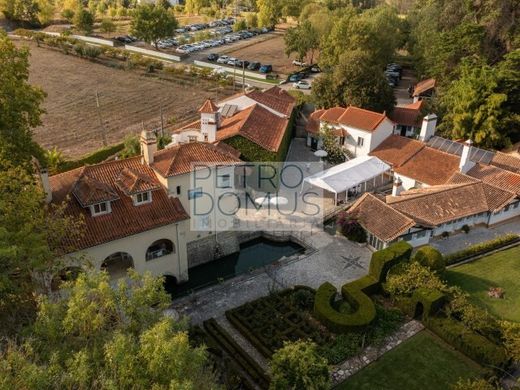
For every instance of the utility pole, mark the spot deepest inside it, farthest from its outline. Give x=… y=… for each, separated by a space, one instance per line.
x=162 y=123
x=234 y=76
x=103 y=130
x=243 y=77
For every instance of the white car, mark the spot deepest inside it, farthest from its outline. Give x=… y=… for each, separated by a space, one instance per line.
x=302 y=84
x=223 y=60
x=299 y=63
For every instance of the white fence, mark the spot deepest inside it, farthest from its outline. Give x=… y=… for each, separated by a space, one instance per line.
x=152 y=53
x=229 y=70
x=96 y=41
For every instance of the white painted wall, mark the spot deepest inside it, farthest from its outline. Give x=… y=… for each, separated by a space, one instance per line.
x=408 y=182
x=382 y=132
x=513 y=210
x=153 y=53
x=175 y=264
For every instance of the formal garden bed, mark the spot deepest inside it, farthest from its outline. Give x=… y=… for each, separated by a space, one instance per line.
x=423 y=361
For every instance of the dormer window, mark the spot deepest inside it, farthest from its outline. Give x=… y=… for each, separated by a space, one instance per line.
x=142 y=198
x=100 y=209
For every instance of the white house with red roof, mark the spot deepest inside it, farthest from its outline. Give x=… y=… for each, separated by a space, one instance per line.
x=358 y=130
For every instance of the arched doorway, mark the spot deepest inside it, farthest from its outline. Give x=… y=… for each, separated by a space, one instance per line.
x=117 y=263
x=66 y=274
x=160 y=248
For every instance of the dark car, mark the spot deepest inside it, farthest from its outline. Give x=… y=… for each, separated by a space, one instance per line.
x=213 y=57
x=296 y=77
x=254 y=66
x=266 y=69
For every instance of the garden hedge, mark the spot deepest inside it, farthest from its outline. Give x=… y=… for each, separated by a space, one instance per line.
x=472 y=344
x=92 y=158
x=357 y=293
x=481 y=248
x=431 y=258
x=431 y=300
x=229 y=345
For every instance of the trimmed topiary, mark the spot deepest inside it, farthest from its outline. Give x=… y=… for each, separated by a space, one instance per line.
x=431 y=258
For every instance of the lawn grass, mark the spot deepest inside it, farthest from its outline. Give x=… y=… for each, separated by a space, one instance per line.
x=421 y=362
x=501 y=269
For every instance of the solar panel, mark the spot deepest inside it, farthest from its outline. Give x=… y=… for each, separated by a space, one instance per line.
x=477 y=155
x=229 y=110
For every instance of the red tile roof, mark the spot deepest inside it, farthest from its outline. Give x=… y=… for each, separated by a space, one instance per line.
x=358 y=118
x=430 y=166
x=258 y=125
x=125 y=218
x=408 y=115
x=132 y=182
x=276 y=99
x=178 y=160
x=313 y=124
x=208 y=107
x=497 y=177
x=396 y=150
x=506 y=161
x=380 y=219
x=424 y=86
x=88 y=190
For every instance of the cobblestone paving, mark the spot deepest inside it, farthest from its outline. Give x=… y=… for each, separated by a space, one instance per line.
x=334 y=259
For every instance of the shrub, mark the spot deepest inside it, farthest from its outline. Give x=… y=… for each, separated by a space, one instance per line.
x=431 y=300
x=92 y=158
x=385 y=259
x=481 y=248
x=298 y=366
x=351 y=228
x=92 y=51
x=445 y=234
x=472 y=344
x=410 y=278
x=302 y=299
x=430 y=258
x=465 y=229
x=79 y=49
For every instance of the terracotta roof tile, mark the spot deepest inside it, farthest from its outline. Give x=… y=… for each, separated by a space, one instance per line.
x=313 y=122
x=132 y=182
x=507 y=162
x=408 y=115
x=497 y=177
x=257 y=124
x=178 y=160
x=125 y=218
x=361 y=118
x=333 y=114
x=276 y=99
x=423 y=86
x=88 y=190
x=430 y=166
x=436 y=205
x=208 y=107
x=379 y=218
x=396 y=150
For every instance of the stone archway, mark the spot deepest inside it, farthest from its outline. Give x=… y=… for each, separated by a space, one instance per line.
x=117 y=264
x=160 y=248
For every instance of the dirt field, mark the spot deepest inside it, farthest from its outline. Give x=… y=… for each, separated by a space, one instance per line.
x=127 y=101
x=270 y=51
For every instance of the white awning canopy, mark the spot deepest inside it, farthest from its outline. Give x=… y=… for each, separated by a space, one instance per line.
x=341 y=177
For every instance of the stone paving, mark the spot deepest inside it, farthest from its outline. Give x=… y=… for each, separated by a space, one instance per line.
x=372 y=353
x=330 y=258
x=476 y=235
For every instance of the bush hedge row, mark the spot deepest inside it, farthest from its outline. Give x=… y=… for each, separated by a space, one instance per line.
x=357 y=293
x=481 y=248
x=226 y=342
x=431 y=300
x=472 y=344
x=92 y=158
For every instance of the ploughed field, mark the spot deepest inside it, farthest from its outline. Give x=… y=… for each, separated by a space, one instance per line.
x=127 y=100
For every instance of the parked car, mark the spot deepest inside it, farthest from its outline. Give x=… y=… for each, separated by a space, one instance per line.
x=299 y=63
x=254 y=66
x=232 y=61
x=296 y=77
x=266 y=69
x=212 y=57
x=223 y=60
x=302 y=84
x=315 y=69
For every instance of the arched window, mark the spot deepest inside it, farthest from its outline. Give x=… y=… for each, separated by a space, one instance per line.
x=117 y=263
x=66 y=274
x=160 y=248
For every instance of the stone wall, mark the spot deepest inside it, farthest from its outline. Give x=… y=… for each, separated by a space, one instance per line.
x=210 y=248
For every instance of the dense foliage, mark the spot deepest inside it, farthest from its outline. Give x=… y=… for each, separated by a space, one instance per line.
x=152 y=23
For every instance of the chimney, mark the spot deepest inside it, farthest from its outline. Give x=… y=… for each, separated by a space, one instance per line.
x=397 y=187
x=465 y=163
x=209 y=120
x=148 y=142
x=428 y=127
x=43 y=177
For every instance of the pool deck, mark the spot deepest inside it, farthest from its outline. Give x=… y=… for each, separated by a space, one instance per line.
x=331 y=259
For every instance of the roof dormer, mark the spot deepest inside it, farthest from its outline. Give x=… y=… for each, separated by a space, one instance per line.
x=94 y=195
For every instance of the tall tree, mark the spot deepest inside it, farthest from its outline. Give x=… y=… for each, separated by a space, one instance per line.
x=84 y=20
x=269 y=12
x=474 y=108
x=355 y=81
x=31 y=238
x=152 y=23
x=303 y=40
x=20 y=105
x=98 y=336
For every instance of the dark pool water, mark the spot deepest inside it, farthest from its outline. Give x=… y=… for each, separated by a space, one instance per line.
x=253 y=254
